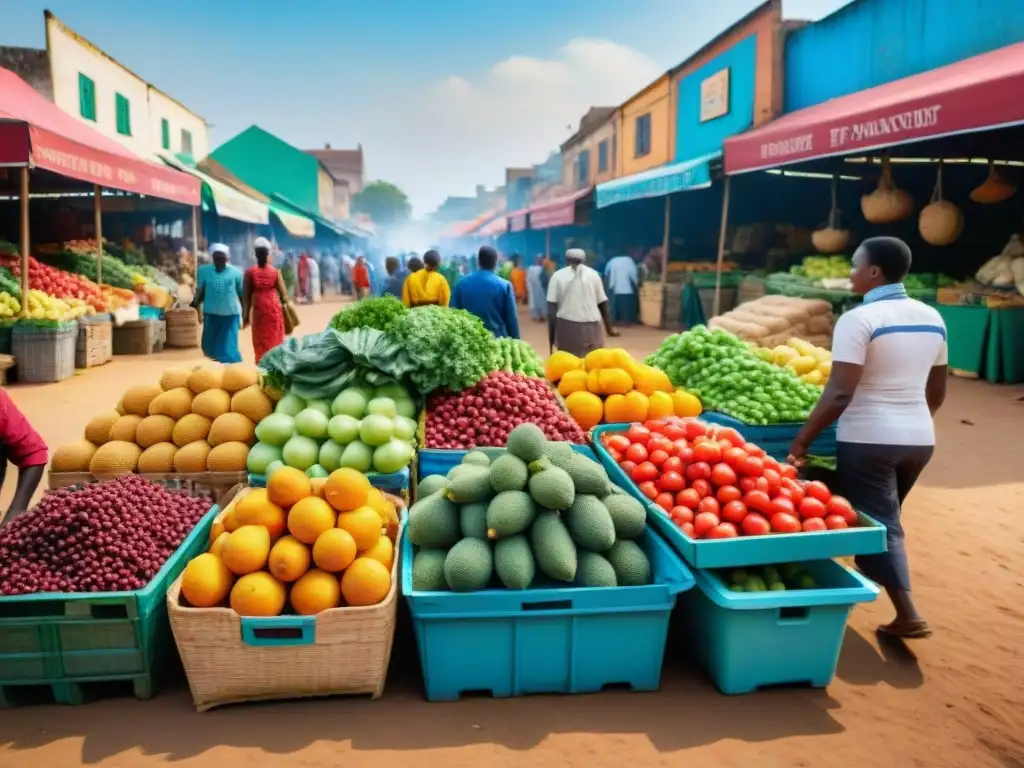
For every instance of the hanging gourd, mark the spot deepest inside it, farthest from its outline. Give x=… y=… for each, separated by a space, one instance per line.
x=832 y=239
x=888 y=203
x=940 y=222
x=995 y=188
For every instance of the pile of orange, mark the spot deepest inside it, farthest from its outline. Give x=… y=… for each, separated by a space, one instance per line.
x=298 y=546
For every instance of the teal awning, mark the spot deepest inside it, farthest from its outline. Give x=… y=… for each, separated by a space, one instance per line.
x=312 y=215
x=664 y=180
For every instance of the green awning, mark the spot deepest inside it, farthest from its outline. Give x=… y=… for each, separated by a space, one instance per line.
x=312 y=215
x=297 y=224
x=228 y=202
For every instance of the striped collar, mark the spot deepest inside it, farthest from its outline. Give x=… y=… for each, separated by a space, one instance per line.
x=891 y=292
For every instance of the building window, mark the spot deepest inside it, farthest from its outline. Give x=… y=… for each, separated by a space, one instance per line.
x=186 y=142
x=124 y=115
x=643 y=136
x=165 y=134
x=602 y=156
x=583 y=168
x=86 y=97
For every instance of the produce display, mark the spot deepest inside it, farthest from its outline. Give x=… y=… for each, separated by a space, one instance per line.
x=52 y=281
x=539 y=511
x=196 y=420
x=727 y=377
x=823 y=268
x=107 y=537
x=519 y=357
x=608 y=385
x=771 y=320
x=486 y=414
x=812 y=364
x=715 y=485
x=83 y=262
x=768 y=578
x=1006 y=270
x=361 y=428
x=381 y=313
x=298 y=546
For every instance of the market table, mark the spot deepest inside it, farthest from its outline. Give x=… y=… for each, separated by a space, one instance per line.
x=986 y=342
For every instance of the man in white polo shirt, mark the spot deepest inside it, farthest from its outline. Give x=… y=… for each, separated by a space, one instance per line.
x=578 y=313
x=888 y=379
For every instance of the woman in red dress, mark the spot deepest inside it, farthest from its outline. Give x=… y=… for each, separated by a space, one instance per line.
x=263 y=302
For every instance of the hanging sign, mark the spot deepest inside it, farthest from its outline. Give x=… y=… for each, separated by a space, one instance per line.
x=714 y=96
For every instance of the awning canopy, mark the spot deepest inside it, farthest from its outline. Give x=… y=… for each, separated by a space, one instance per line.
x=559 y=212
x=469 y=226
x=35 y=133
x=657 y=182
x=229 y=202
x=296 y=222
x=517 y=220
x=495 y=227
x=315 y=217
x=971 y=95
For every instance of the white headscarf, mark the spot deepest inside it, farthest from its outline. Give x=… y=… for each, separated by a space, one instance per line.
x=220 y=248
x=575 y=254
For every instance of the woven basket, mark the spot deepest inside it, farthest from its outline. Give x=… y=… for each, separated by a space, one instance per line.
x=337 y=652
x=182 y=328
x=95 y=344
x=44 y=354
x=137 y=337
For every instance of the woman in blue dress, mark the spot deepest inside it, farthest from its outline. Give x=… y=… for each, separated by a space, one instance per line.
x=218 y=299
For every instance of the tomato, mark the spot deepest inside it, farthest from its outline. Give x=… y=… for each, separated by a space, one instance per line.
x=707 y=451
x=759 y=501
x=818 y=490
x=617 y=442
x=672 y=482
x=704 y=522
x=674 y=432
x=679 y=443
x=649 y=489
x=835 y=522
x=655 y=426
x=636 y=453
x=658 y=457
x=773 y=479
x=747 y=484
x=755 y=525
x=685 y=454
x=627 y=467
x=814 y=524
x=787 y=470
x=701 y=486
x=681 y=515
x=709 y=504
x=783 y=522
x=695 y=428
x=666 y=501
x=782 y=504
x=728 y=493
x=771 y=463
x=673 y=464
x=687 y=528
x=734 y=457
x=644 y=472
x=731 y=436
x=754 y=450
x=638 y=433
x=722 y=474
x=688 y=498
x=752 y=466
x=811 y=507
x=660 y=443
x=723 y=531
x=616 y=455
x=837 y=505
x=734 y=512
x=796 y=489
x=699 y=470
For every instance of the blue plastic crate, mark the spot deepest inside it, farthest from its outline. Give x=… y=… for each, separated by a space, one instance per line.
x=150 y=313
x=437 y=461
x=749 y=640
x=395 y=482
x=869 y=538
x=546 y=639
x=775 y=439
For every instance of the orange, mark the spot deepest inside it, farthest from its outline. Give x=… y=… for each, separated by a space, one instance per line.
x=246 y=549
x=316 y=591
x=334 y=550
x=561 y=363
x=258 y=594
x=287 y=486
x=363 y=525
x=375 y=499
x=365 y=582
x=288 y=559
x=216 y=530
x=309 y=518
x=206 y=581
x=383 y=552
x=346 y=489
x=572 y=381
x=256 y=508
x=217 y=548
x=661 y=405
x=228 y=520
x=586 y=408
x=636 y=407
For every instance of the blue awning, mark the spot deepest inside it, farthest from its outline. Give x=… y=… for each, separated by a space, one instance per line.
x=664 y=180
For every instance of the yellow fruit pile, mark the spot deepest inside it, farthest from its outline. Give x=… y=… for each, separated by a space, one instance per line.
x=609 y=386
x=812 y=364
x=298 y=546
x=198 y=420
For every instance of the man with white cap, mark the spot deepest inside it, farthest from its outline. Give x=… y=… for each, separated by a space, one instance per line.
x=218 y=299
x=578 y=314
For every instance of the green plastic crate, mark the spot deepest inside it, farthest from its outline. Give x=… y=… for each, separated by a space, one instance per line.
x=70 y=642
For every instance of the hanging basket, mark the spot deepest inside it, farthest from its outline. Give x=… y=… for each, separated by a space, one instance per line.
x=941 y=221
x=832 y=239
x=995 y=188
x=888 y=203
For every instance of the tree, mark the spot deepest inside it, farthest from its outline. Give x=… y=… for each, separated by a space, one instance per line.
x=385 y=203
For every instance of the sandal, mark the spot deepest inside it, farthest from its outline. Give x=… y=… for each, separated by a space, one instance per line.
x=914 y=630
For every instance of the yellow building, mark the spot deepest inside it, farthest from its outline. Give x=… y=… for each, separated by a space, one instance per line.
x=645 y=129
x=588 y=156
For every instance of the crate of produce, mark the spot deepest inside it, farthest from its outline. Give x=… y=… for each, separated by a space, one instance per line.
x=44 y=354
x=798 y=631
x=231 y=659
x=147 y=312
x=213 y=485
x=137 y=337
x=95 y=343
x=546 y=639
x=776 y=438
x=435 y=461
x=65 y=646
x=865 y=537
x=396 y=483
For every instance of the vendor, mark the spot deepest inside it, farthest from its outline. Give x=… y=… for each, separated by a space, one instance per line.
x=22 y=446
x=888 y=379
x=578 y=314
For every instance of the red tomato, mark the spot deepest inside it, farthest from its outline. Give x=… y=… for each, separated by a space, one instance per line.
x=811 y=507
x=761 y=484
x=734 y=457
x=723 y=531
x=756 y=525
x=617 y=442
x=734 y=512
x=835 y=522
x=796 y=489
x=627 y=467
x=660 y=443
x=672 y=482
x=782 y=504
x=754 y=450
x=638 y=433
x=636 y=453
x=747 y=484
x=688 y=498
x=701 y=486
x=707 y=451
x=649 y=489
x=666 y=501
x=814 y=524
x=722 y=474
x=837 y=505
x=783 y=522
x=699 y=470
x=752 y=466
x=673 y=464
x=687 y=528
x=644 y=472
x=728 y=493
x=616 y=455
x=685 y=454
x=771 y=463
x=773 y=479
x=680 y=443
x=681 y=515
x=655 y=426
x=787 y=470
x=709 y=504
x=658 y=457
x=674 y=432
x=758 y=501
x=695 y=428
x=731 y=435
x=704 y=522
x=818 y=490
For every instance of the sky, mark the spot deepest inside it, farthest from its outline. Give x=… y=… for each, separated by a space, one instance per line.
x=442 y=94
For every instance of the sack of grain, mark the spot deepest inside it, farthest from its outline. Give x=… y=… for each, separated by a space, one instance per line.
x=772 y=323
x=790 y=313
x=774 y=340
x=745 y=331
x=821 y=324
x=825 y=342
x=815 y=306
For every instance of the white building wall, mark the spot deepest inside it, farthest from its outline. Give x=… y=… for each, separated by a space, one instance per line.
x=162 y=107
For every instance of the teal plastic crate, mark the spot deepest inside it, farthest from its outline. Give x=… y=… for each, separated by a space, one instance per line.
x=437 y=461
x=751 y=640
x=775 y=439
x=69 y=641
x=869 y=538
x=549 y=638
x=395 y=482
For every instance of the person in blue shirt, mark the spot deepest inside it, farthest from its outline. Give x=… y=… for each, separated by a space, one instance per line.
x=487 y=296
x=218 y=299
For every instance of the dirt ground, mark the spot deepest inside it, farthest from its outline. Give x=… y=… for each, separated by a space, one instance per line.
x=954 y=700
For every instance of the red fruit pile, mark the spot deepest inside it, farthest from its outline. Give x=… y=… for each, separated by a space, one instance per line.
x=715 y=485
x=56 y=282
x=106 y=537
x=485 y=414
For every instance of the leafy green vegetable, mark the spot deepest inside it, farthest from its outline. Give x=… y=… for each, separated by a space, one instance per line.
x=381 y=313
x=519 y=357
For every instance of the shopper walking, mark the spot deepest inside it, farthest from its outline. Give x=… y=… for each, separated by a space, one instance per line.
x=315 y=288
x=488 y=296
x=22 y=446
x=536 y=287
x=427 y=285
x=302 y=290
x=218 y=300
x=578 y=314
x=623 y=278
x=518 y=277
x=264 y=302
x=889 y=358
x=361 y=278
x=289 y=273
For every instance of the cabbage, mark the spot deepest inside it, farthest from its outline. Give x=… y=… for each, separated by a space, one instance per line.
x=343 y=429
x=393 y=456
x=311 y=423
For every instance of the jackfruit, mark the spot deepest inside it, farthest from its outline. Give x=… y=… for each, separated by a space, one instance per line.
x=508 y=473
x=97 y=431
x=231 y=427
x=469 y=566
x=434 y=522
x=590 y=524
x=428 y=570
x=137 y=399
x=211 y=403
x=124 y=428
x=527 y=441
x=252 y=403
x=632 y=568
x=205 y=377
x=74 y=457
x=189 y=428
x=228 y=457
x=509 y=513
x=174 y=403
x=192 y=457
x=238 y=376
x=430 y=485
x=115 y=458
x=595 y=571
x=174 y=378
x=553 y=489
x=153 y=430
x=553 y=547
x=158 y=459
x=513 y=562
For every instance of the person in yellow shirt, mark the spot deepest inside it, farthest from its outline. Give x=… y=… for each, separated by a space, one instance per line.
x=427 y=286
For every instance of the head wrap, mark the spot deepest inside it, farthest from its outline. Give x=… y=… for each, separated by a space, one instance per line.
x=575 y=254
x=219 y=248
x=262 y=242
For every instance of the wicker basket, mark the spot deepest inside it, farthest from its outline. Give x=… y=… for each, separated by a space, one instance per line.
x=182 y=328
x=6 y=363
x=44 y=354
x=95 y=343
x=230 y=660
x=137 y=337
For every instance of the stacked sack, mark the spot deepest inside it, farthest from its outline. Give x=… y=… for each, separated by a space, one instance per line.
x=773 y=320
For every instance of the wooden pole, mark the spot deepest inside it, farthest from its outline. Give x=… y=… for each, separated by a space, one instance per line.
x=98 y=222
x=195 y=234
x=24 y=242
x=721 y=250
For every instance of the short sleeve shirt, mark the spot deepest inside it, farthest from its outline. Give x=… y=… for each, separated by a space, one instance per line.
x=578 y=293
x=221 y=290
